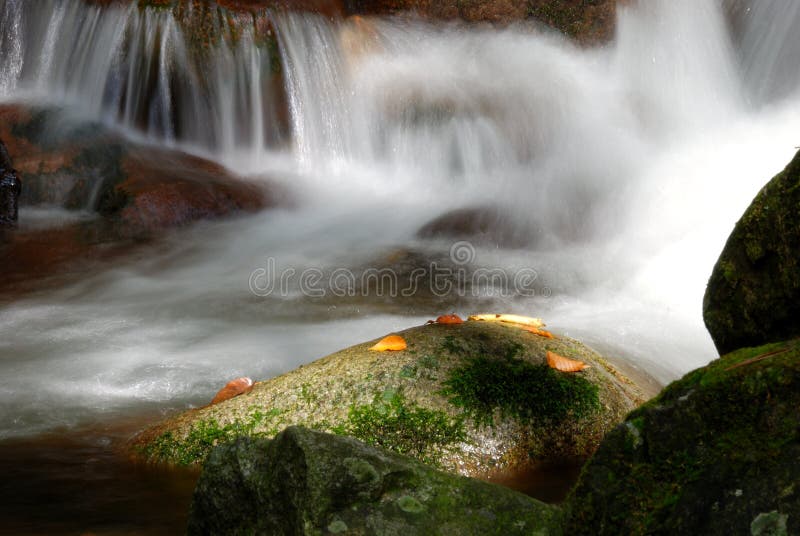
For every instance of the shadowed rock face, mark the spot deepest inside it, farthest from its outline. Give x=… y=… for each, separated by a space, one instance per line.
x=10 y=188
x=715 y=453
x=753 y=295
x=307 y=482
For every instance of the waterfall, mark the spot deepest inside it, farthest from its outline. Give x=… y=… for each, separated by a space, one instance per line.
x=770 y=48
x=136 y=68
x=624 y=167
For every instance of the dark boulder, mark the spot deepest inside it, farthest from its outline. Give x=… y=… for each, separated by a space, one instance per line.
x=307 y=482
x=753 y=295
x=715 y=453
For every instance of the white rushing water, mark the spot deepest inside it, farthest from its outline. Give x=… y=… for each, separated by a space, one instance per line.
x=623 y=168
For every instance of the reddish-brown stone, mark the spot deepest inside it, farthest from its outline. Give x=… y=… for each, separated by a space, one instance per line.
x=138 y=193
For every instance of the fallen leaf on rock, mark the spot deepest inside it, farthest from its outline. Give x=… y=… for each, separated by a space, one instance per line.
x=449 y=319
x=233 y=388
x=540 y=332
x=391 y=343
x=564 y=364
x=518 y=320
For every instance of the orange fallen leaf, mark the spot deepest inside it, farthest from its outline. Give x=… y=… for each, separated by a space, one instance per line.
x=540 y=332
x=233 y=388
x=564 y=364
x=392 y=343
x=449 y=319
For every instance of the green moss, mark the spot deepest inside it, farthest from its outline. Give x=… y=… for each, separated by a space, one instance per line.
x=409 y=504
x=706 y=456
x=529 y=393
x=204 y=435
x=393 y=423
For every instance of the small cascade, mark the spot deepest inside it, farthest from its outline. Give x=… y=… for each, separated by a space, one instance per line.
x=138 y=69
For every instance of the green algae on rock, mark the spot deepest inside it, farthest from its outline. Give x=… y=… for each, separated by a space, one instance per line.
x=307 y=482
x=474 y=398
x=753 y=295
x=715 y=453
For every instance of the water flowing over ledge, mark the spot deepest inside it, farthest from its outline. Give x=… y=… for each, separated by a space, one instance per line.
x=624 y=166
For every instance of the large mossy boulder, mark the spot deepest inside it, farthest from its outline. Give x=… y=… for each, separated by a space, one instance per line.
x=308 y=483
x=715 y=453
x=476 y=398
x=753 y=295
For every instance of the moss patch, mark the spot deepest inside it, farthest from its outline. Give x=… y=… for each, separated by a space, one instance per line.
x=404 y=427
x=532 y=394
x=204 y=435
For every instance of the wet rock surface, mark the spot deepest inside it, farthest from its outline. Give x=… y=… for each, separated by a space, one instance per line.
x=586 y=22
x=307 y=482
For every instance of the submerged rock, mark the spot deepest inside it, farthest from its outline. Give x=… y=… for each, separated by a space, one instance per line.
x=476 y=398
x=307 y=482
x=480 y=225
x=715 y=453
x=753 y=295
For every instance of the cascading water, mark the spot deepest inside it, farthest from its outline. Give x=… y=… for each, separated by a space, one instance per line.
x=136 y=68
x=601 y=158
x=624 y=168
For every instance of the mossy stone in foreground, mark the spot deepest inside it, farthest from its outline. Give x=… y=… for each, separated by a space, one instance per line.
x=309 y=483
x=716 y=453
x=753 y=295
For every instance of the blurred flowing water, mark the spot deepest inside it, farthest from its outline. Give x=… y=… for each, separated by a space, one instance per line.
x=621 y=169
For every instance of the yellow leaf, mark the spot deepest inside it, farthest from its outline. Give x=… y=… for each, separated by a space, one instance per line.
x=518 y=320
x=564 y=364
x=391 y=343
